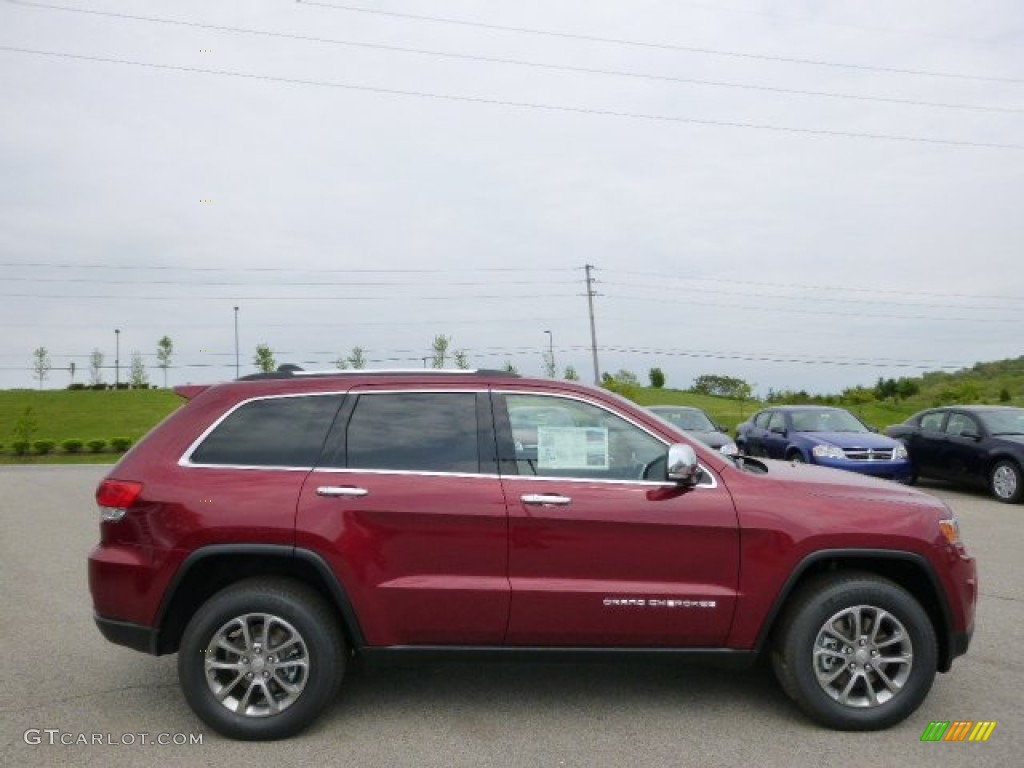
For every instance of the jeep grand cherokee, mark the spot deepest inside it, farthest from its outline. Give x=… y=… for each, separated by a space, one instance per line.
x=277 y=526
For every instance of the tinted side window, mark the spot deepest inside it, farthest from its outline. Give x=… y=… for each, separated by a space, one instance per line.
x=414 y=431
x=777 y=419
x=932 y=422
x=276 y=432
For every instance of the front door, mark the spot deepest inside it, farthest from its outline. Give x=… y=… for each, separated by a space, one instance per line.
x=599 y=554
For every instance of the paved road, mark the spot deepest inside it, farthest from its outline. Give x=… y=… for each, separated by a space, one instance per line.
x=58 y=673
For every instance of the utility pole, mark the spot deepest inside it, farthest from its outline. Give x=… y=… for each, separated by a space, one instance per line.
x=593 y=331
x=117 y=357
x=238 y=372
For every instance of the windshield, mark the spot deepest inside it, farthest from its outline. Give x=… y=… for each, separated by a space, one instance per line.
x=686 y=418
x=827 y=421
x=1008 y=422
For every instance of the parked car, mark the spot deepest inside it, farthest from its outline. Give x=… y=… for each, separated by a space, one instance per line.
x=977 y=445
x=831 y=437
x=275 y=527
x=697 y=423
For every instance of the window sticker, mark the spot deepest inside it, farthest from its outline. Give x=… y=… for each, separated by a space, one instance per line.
x=572 y=447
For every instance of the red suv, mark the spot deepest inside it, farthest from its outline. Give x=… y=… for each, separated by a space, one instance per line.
x=275 y=526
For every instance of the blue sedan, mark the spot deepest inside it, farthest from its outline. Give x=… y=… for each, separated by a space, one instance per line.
x=831 y=437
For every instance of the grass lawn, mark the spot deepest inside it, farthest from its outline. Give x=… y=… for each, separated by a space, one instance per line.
x=63 y=414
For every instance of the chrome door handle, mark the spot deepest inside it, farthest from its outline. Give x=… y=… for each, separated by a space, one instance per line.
x=339 y=490
x=545 y=500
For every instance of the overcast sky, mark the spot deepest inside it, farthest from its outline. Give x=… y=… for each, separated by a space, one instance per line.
x=835 y=187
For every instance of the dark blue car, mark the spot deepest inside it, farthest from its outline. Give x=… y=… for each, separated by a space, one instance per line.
x=831 y=437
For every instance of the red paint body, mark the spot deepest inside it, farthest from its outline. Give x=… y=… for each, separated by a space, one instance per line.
x=460 y=560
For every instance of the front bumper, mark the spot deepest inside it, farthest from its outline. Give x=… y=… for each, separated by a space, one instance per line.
x=901 y=471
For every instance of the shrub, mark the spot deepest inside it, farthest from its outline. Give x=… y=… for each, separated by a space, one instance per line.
x=77 y=386
x=120 y=444
x=95 y=446
x=72 y=445
x=43 y=447
x=1 y=447
x=20 y=447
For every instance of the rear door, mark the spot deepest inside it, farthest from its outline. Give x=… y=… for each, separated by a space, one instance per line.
x=601 y=556
x=927 y=444
x=407 y=507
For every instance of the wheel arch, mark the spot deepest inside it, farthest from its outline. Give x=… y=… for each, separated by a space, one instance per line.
x=210 y=569
x=909 y=570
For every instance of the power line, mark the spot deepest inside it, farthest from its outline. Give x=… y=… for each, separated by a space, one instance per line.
x=241 y=297
x=523 y=104
x=289 y=270
x=279 y=283
x=689 y=280
x=658 y=46
x=522 y=62
x=824 y=312
x=831 y=299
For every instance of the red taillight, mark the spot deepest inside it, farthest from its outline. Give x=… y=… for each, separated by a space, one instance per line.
x=118 y=494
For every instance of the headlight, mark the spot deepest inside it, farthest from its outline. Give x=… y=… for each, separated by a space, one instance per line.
x=828 y=452
x=900 y=452
x=730 y=449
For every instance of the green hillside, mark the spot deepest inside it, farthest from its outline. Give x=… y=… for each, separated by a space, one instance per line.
x=86 y=414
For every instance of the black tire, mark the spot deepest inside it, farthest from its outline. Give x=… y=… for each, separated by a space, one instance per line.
x=1005 y=482
x=796 y=456
x=856 y=668
x=314 y=663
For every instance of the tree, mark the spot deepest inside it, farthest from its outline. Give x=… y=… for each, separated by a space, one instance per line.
x=721 y=386
x=139 y=377
x=357 y=358
x=657 y=377
x=1004 y=395
x=570 y=374
x=264 y=358
x=96 y=367
x=341 y=364
x=25 y=426
x=509 y=368
x=549 y=364
x=440 y=350
x=164 y=350
x=41 y=364
x=461 y=360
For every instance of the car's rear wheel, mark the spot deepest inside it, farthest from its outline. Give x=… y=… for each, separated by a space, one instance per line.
x=856 y=652
x=1005 y=482
x=261 y=659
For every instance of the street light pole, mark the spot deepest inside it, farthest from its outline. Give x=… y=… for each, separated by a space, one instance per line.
x=237 y=369
x=117 y=357
x=551 y=353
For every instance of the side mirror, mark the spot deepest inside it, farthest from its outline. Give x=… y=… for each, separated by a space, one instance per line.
x=872 y=429
x=970 y=434
x=778 y=431
x=723 y=428
x=682 y=464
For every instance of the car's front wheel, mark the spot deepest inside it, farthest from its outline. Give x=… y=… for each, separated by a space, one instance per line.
x=856 y=652
x=1005 y=482
x=261 y=659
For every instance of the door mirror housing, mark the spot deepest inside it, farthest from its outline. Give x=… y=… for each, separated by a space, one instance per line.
x=778 y=431
x=682 y=464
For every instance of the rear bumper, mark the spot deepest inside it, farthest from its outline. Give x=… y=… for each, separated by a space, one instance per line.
x=131 y=635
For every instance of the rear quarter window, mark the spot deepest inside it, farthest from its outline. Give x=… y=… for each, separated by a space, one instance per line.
x=273 y=432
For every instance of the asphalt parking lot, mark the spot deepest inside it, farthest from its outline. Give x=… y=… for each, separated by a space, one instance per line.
x=58 y=673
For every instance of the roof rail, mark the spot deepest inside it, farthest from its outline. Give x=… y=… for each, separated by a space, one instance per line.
x=290 y=370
